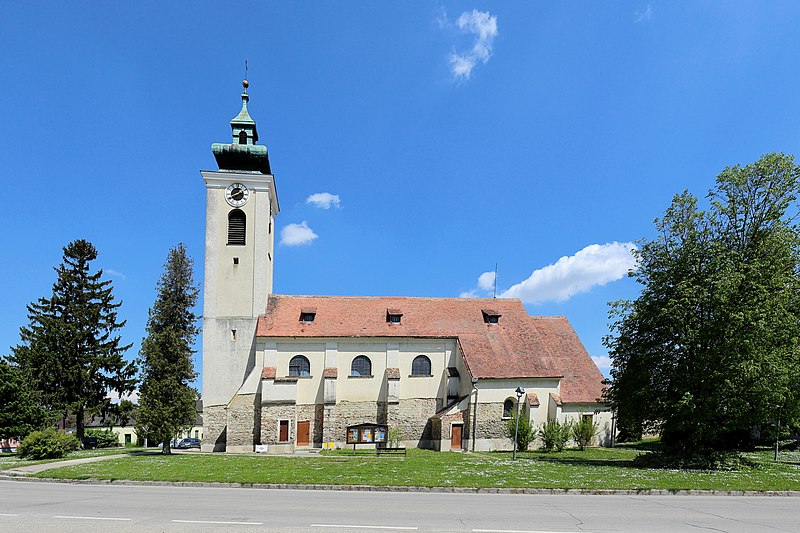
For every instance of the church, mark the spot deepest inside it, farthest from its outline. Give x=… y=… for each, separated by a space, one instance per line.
x=289 y=372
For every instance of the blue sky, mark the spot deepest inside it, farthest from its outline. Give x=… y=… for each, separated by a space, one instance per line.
x=541 y=136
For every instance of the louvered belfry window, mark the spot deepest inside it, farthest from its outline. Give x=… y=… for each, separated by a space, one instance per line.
x=236 y=226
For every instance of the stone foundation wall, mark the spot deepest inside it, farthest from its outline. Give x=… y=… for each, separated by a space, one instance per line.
x=215 y=421
x=490 y=421
x=270 y=415
x=241 y=416
x=412 y=418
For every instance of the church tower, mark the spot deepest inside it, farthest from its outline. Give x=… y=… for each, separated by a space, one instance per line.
x=241 y=205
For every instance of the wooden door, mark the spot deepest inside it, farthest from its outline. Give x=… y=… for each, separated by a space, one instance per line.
x=455 y=436
x=302 y=433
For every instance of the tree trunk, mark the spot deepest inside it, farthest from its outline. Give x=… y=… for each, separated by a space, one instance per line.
x=79 y=430
x=165 y=449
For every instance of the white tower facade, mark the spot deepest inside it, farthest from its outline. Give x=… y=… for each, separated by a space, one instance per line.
x=241 y=205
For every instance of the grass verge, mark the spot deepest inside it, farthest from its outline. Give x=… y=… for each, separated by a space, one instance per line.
x=590 y=469
x=11 y=460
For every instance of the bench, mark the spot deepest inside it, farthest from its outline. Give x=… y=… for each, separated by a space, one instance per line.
x=390 y=451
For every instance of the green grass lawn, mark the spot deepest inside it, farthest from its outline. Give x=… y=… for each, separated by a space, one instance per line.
x=10 y=460
x=589 y=469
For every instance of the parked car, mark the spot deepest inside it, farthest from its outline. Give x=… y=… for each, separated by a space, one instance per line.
x=188 y=443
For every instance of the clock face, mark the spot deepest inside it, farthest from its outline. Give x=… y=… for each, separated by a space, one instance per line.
x=236 y=195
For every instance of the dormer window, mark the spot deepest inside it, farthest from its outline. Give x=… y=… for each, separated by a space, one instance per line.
x=393 y=316
x=308 y=314
x=490 y=316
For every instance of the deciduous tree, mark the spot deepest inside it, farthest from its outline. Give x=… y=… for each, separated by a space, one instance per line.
x=709 y=350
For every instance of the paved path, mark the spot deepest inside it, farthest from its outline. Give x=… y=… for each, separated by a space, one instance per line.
x=41 y=467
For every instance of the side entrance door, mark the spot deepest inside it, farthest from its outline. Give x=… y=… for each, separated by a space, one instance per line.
x=302 y=433
x=455 y=436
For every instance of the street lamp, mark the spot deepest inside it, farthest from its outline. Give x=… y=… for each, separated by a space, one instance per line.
x=520 y=392
x=474 y=412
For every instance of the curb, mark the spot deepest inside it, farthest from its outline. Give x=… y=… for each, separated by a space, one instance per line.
x=446 y=490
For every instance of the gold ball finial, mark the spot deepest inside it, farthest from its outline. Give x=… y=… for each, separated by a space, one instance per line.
x=245 y=84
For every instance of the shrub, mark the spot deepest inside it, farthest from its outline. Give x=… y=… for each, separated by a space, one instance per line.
x=47 y=444
x=583 y=431
x=395 y=437
x=525 y=435
x=555 y=435
x=105 y=437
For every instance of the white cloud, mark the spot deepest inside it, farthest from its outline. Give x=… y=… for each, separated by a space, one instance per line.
x=297 y=234
x=323 y=200
x=483 y=288
x=114 y=273
x=486 y=281
x=603 y=362
x=484 y=26
x=643 y=15
x=595 y=265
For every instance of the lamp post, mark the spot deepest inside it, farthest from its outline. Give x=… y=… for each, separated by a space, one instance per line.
x=474 y=412
x=520 y=392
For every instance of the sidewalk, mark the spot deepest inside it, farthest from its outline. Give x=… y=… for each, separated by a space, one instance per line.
x=35 y=469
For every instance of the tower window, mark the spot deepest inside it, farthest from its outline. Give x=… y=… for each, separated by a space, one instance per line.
x=237 y=222
x=242 y=137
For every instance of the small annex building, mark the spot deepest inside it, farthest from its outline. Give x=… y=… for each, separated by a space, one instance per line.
x=282 y=372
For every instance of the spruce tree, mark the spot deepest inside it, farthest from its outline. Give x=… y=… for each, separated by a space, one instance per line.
x=70 y=349
x=20 y=409
x=167 y=400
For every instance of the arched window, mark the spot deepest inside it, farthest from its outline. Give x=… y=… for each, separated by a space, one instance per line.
x=299 y=366
x=508 y=407
x=236 y=226
x=242 y=137
x=361 y=366
x=421 y=366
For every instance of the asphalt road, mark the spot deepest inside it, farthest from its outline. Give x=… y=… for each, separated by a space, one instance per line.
x=29 y=506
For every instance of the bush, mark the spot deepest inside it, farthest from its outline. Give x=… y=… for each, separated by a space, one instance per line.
x=47 y=444
x=555 y=435
x=105 y=437
x=583 y=431
x=525 y=435
x=395 y=437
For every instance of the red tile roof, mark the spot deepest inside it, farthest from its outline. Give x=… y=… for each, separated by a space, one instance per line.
x=517 y=346
x=582 y=380
x=268 y=372
x=330 y=372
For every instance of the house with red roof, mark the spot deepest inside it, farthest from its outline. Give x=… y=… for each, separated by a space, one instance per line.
x=286 y=372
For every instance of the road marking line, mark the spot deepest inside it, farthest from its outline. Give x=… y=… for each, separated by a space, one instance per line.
x=93 y=518
x=6 y=514
x=521 y=531
x=218 y=522
x=343 y=526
